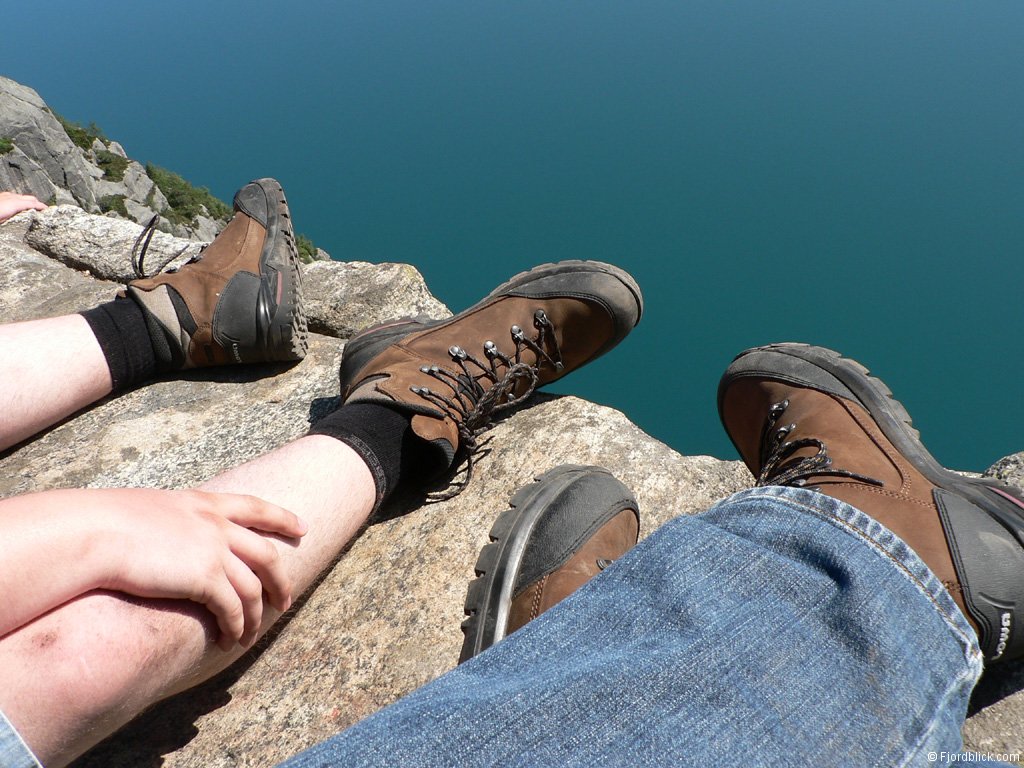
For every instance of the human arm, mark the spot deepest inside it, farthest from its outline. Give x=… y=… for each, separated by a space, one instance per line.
x=191 y=545
x=12 y=203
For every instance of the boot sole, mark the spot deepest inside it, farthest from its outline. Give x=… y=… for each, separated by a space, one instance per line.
x=369 y=343
x=489 y=597
x=1002 y=501
x=285 y=333
x=562 y=267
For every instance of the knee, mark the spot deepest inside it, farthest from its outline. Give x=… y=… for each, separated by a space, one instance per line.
x=103 y=651
x=77 y=674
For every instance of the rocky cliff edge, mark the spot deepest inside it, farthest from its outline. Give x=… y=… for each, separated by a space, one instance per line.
x=385 y=618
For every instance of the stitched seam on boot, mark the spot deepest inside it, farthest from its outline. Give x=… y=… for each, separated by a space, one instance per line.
x=535 y=607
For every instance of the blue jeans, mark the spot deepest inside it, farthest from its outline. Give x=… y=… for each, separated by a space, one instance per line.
x=779 y=628
x=14 y=753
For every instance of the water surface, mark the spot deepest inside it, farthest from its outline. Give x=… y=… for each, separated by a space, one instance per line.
x=845 y=174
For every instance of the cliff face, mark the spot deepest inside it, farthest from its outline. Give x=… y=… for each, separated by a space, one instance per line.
x=45 y=162
x=385 y=618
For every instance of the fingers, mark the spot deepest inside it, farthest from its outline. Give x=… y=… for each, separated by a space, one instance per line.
x=253 y=512
x=29 y=202
x=12 y=203
x=34 y=203
x=252 y=565
x=250 y=593
x=222 y=600
x=235 y=588
x=263 y=559
x=221 y=550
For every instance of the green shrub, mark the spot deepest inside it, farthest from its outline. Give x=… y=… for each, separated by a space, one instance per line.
x=184 y=200
x=307 y=250
x=83 y=136
x=6 y=145
x=114 y=203
x=113 y=165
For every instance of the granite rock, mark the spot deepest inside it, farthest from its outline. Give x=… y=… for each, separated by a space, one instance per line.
x=20 y=173
x=136 y=188
x=344 y=298
x=46 y=163
x=102 y=245
x=25 y=119
x=1009 y=469
x=35 y=285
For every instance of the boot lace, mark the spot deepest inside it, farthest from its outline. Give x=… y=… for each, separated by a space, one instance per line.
x=479 y=391
x=780 y=467
x=141 y=247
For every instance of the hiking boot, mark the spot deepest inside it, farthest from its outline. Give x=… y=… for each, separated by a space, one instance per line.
x=239 y=301
x=558 y=533
x=455 y=376
x=805 y=416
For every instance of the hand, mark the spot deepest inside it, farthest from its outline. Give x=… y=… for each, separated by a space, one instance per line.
x=199 y=546
x=213 y=548
x=12 y=203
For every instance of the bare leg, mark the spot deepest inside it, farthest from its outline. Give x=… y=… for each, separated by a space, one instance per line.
x=75 y=675
x=52 y=368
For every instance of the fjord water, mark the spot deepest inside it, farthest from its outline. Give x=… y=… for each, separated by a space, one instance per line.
x=845 y=174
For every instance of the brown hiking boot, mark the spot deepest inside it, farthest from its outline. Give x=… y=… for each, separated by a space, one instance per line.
x=456 y=375
x=805 y=416
x=240 y=300
x=558 y=533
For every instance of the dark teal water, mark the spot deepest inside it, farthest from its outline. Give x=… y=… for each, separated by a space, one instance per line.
x=845 y=174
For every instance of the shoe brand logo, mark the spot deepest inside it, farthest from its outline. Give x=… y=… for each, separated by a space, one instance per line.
x=1004 y=635
x=235 y=352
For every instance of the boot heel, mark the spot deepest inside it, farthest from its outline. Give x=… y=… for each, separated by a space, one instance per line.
x=289 y=334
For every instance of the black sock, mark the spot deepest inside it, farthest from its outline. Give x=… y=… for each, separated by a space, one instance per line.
x=120 y=328
x=384 y=439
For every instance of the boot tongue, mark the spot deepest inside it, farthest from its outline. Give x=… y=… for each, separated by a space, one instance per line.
x=428 y=423
x=440 y=432
x=810 y=438
x=366 y=392
x=239 y=236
